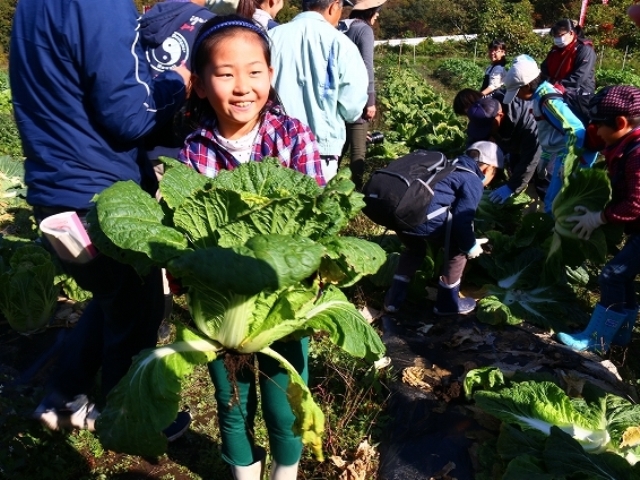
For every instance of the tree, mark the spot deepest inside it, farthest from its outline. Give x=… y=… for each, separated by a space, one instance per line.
x=7 y=10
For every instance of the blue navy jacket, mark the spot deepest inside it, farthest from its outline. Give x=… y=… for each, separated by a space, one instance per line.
x=167 y=33
x=84 y=97
x=462 y=190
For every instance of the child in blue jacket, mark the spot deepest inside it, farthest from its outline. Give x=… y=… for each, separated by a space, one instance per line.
x=461 y=191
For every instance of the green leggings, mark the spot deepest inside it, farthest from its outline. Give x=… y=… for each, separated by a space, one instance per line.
x=237 y=421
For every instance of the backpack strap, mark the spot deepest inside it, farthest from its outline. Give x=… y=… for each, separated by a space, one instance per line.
x=544 y=99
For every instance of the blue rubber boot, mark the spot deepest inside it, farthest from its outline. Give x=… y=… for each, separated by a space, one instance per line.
x=396 y=295
x=597 y=337
x=448 y=301
x=623 y=337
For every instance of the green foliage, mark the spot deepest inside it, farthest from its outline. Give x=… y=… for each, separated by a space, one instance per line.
x=7 y=10
x=9 y=138
x=594 y=436
x=420 y=116
x=459 y=73
x=613 y=76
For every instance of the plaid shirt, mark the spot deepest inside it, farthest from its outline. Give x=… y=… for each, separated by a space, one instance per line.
x=279 y=135
x=623 y=166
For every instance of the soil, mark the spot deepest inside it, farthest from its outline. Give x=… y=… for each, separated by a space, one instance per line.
x=436 y=432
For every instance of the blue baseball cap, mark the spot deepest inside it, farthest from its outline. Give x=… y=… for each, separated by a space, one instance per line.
x=481 y=115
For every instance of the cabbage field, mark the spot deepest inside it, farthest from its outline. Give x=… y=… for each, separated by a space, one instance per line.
x=488 y=396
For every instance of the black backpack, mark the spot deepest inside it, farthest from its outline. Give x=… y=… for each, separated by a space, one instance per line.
x=398 y=196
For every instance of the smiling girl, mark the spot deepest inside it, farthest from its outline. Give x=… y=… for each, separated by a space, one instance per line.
x=239 y=119
x=235 y=112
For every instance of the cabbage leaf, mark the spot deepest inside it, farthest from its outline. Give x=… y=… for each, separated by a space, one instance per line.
x=565 y=436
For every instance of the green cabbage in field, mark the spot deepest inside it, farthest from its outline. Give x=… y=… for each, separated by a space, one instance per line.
x=260 y=251
x=28 y=294
x=547 y=434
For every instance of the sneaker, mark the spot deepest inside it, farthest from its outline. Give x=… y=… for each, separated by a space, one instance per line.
x=179 y=426
x=77 y=414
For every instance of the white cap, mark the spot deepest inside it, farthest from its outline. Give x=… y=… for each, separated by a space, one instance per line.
x=490 y=153
x=523 y=71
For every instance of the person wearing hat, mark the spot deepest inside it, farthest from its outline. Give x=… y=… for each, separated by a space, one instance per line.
x=515 y=131
x=460 y=192
x=358 y=27
x=558 y=127
x=320 y=75
x=616 y=114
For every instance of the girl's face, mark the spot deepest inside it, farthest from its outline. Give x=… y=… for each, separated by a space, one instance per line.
x=563 y=39
x=496 y=55
x=236 y=82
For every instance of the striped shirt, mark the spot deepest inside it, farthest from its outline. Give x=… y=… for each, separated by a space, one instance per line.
x=279 y=135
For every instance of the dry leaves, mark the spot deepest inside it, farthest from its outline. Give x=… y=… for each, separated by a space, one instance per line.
x=364 y=465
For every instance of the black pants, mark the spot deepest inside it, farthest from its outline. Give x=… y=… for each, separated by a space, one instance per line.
x=121 y=320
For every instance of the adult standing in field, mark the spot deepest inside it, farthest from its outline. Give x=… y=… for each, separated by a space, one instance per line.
x=320 y=75
x=262 y=12
x=515 y=131
x=359 y=28
x=84 y=98
x=572 y=59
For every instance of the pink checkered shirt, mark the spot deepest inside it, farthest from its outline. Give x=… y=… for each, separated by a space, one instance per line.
x=279 y=135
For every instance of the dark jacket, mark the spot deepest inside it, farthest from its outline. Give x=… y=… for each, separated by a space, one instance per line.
x=361 y=33
x=518 y=137
x=462 y=190
x=84 y=97
x=167 y=33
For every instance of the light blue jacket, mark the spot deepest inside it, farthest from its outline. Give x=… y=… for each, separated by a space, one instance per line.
x=557 y=124
x=320 y=77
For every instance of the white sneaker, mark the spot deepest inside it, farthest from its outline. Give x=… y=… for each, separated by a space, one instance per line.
x=78 y=414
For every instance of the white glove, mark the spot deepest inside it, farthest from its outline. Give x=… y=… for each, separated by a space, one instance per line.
x=477 y=250
x=588 y=221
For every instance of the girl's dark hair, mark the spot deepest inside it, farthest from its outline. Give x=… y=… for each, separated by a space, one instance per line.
x=365 y=15
x=246 y=8
x=209 y=37
x=497 y=44
x=464 y=99
x=566 y=25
